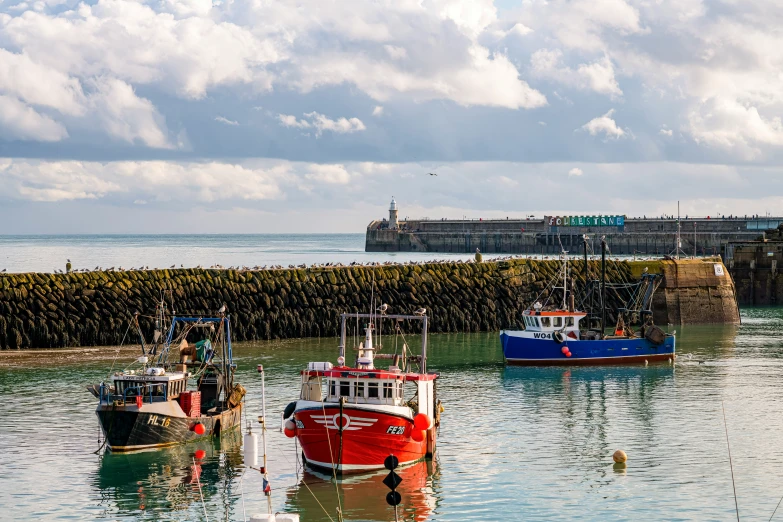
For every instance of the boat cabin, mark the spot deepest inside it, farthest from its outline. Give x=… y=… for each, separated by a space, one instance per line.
x=357 y=387
x=152 y=386
x=557 y=321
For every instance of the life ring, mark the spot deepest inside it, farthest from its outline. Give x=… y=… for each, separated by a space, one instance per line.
x=558 y=337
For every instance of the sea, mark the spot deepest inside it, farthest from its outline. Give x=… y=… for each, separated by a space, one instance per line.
x=701 y=434
x=45 y=253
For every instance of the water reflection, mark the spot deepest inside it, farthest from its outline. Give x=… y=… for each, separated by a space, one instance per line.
x=147 y=483
x=363 y=497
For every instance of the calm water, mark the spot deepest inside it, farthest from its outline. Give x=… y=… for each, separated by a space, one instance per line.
x=515 y=443
x=47 y=253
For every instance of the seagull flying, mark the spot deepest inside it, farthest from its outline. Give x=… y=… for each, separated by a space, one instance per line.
x=432 y=173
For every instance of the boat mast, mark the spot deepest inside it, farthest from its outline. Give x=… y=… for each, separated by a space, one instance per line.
x=587 y=280
x=603 y=285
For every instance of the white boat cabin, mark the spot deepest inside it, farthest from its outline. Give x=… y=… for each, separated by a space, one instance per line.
x=549 y=322
x=153 y=385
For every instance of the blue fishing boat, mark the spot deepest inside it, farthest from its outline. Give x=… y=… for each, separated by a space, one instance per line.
x=561 y=335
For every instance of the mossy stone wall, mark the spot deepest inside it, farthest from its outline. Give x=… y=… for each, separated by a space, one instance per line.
x=40 y=310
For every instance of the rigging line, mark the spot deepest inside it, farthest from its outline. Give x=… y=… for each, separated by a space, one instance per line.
x=329 y=440
x=200 y=493
x=731 y=466
x=776 y=508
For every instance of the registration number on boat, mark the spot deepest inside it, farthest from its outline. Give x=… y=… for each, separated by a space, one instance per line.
x=396 y=430
x=157 y=421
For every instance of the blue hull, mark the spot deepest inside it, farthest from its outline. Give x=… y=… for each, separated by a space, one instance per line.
x=527 y=351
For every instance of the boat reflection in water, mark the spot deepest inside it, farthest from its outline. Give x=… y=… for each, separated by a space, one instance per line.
x=363 y=497
x=145 y=484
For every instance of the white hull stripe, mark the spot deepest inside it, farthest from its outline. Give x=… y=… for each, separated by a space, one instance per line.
x=349 y=467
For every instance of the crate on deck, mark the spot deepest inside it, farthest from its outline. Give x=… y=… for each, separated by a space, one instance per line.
x=190 y=402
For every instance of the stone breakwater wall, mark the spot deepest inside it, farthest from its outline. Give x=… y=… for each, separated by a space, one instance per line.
x=95 y=308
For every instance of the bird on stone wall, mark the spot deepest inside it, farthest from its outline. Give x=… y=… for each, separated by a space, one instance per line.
x=173 y=266
x=420 y=311
x=382 y=309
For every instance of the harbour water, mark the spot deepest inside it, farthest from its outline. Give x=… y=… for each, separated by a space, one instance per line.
x=515 y=443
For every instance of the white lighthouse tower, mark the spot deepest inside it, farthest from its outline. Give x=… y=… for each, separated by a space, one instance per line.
x=393 y=215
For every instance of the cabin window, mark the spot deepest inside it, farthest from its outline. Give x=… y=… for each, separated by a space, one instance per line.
x=388 y=392
x=345 y=389
x=558 y=322
x=545 y=322
x=372 y=390
x=569 y=321
x=332 y=388
x=400 y=393
x=537 y=323
x=359 y=389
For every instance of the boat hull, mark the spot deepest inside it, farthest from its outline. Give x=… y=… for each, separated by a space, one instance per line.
x=127 y=428
x=356 y=440
x=526 y=351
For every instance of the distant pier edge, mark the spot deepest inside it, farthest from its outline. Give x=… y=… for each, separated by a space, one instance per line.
x=700 y=236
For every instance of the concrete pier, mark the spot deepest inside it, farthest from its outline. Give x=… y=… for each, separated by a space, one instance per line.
x=646 y=236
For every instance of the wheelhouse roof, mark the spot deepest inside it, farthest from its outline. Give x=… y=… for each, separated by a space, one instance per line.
x=556 y=313
x=344 y=372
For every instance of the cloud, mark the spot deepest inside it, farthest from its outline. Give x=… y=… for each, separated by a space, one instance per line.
x=20 y=122
x=377 y=111
x=604 y=124
x=576 y=171
x=332 y=174
x=322 y=123
x=140 y=181
x=665 y=132
x=126 y=116
x=222 y=119
x=596 y=76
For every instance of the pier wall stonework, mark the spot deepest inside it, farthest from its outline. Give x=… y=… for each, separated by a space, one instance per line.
x=40 y=310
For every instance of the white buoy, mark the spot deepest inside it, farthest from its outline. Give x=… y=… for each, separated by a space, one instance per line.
x=263 y=517
x=250 y=450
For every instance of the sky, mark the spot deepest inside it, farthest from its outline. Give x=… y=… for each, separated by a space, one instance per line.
x=120 y=116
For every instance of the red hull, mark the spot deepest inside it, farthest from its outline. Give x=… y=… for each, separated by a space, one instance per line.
x=367 y=437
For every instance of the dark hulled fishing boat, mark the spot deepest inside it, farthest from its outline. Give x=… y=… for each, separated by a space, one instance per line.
x=153 y=404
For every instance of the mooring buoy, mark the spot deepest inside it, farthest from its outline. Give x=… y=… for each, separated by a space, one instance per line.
x=619 y=456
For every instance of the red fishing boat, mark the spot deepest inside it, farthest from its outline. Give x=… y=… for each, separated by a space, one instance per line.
x=348 y=419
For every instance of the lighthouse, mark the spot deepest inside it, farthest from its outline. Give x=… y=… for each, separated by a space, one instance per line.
x=393 y=215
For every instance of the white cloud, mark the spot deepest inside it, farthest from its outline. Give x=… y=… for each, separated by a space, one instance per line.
x=141 y=182
x=225 y=120
x=20 y=122
x=289 y=120
x=126 y=116
x=604 y=124
x=332 y=174
x=597 y=76
x=322 y=123
x=665 y=132
x=377 y=111
x=576 y=171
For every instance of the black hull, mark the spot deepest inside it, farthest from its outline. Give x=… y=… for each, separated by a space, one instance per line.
x=132 y=430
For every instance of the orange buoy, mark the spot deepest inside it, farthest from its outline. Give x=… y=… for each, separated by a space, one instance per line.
x=417 y=435
x=199 y=429
x=568 y=354
x=564 y=349
x=619 y=456
x=200 y=454
x=421 y=421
